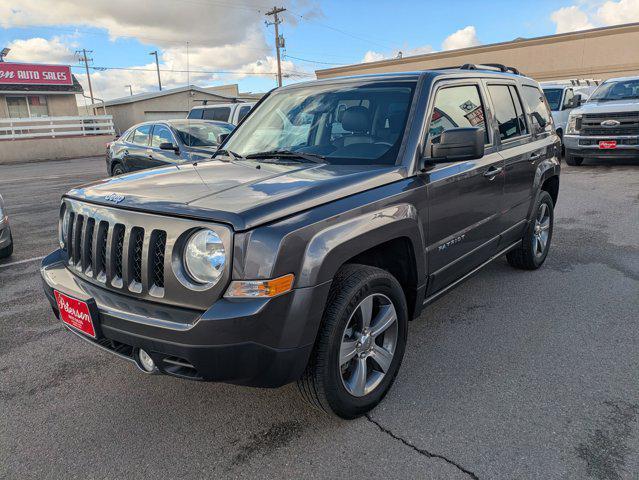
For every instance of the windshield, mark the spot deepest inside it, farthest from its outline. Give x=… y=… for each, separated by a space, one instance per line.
x=553 y=95
x=201 y=134
x=616 y=90
x=346 y=124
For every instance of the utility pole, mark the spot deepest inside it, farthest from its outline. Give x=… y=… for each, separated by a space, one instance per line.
x=82 y=56
x=130 y=89
x=279 y=41
x=157 y=66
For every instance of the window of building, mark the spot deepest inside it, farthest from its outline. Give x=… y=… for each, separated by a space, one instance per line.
x=457 y=107
x=161 y=134
x=38 y=106
x=141 y=135
x=27 y=106
x=506 y=114
x=540 y=114
x=217 y=113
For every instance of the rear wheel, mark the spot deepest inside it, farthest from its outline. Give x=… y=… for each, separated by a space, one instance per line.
x=8 y=250
x=360 y=344
x=535 y=244
x=573 y=160
x=118 y=169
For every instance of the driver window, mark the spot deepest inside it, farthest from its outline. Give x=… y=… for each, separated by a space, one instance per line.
x=568 y=97
x=457 y=107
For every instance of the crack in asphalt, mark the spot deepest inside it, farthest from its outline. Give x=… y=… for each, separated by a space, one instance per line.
x=421 y=451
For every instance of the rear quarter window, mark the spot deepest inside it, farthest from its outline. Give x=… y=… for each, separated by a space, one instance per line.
x=195 y=113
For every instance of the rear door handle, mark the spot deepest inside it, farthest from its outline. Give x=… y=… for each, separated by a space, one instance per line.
x=492 y=172
x=535 y=156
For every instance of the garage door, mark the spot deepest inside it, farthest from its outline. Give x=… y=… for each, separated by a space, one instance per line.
x=164 y=115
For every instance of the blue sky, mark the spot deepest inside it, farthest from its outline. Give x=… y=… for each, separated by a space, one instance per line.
x=225 y=35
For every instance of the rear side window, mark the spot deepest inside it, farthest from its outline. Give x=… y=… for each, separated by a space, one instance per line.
x=141 y=135
x=538 y=108
x=457 y=107
x=244 y=110
x=217 y=113
x=508 y=111
x=195 y=113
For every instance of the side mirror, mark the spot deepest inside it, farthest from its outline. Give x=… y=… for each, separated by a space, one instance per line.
x=169 y=146
x=457 y=144
x=221 y=137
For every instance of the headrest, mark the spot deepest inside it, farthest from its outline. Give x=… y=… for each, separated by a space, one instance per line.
x=356 y=119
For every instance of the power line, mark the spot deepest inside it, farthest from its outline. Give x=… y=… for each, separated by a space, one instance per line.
x=313 y=61
x=209 y=72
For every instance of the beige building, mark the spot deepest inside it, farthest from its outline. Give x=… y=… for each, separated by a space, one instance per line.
x=167 y=104
x=598 y=53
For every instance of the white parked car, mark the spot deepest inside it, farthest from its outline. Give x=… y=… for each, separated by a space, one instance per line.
x=223 y=112
x=563 y=97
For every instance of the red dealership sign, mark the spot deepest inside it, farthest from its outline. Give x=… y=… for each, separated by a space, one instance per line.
x=35 y=74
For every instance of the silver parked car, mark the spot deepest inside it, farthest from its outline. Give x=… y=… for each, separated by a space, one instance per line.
x=6 y=240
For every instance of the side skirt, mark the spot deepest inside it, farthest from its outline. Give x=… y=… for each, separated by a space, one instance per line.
x=446 y=289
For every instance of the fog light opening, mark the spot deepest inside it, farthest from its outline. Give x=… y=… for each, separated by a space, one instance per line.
x=146 y=362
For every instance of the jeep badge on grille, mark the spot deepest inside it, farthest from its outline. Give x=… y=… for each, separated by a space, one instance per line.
x=114 y=198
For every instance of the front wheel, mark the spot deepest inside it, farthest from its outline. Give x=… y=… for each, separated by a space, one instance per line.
x=360 y=344
x=118 y=169
x=532 y=251
x=8 y=250
x=573 y=160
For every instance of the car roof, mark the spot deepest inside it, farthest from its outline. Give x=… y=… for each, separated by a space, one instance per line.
x=213 y=105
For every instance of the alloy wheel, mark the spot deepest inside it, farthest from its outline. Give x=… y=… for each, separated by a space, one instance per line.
x=541 y=231
x=368 y=344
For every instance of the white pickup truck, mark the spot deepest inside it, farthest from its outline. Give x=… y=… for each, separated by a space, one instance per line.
x=565 y=96
x=607 y=125
x=224 y=112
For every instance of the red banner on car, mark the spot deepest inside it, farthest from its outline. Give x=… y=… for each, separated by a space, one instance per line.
x=75 y=313
x=35 y=74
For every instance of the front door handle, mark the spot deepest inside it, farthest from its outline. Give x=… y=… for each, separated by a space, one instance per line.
x=535 y=156
x=492 y=172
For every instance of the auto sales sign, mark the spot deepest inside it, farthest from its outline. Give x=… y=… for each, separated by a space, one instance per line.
x=35 y=74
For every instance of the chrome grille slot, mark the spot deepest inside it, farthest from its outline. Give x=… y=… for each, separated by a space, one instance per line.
x=628 y=124
x=117 y=255
x=137 y=254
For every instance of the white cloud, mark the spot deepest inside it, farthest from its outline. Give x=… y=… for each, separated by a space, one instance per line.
x=595 y=14
x=373 y=56
x=623 y=11
x=570 y=19
x=463 y=38
x=222 y=36
x=40 y=50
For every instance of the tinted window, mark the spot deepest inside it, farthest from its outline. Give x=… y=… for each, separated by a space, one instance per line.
x=141 y=135
x=161 y=134
x=201 y=134
x=569 y=96
x=457 y=107
x=504 y=109
x=538 y=107
x=519 y=108
x=217 y=113
x=553 y=95
x=195 y=113
x=244 y=110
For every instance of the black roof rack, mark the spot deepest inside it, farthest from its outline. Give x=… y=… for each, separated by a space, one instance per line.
x=484 y=66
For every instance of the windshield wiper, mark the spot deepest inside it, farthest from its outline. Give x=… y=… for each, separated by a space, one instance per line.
x=233 y=155
x=310 y=157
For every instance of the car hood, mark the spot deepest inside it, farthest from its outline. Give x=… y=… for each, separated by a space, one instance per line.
x=242 y=193
x=612 y=106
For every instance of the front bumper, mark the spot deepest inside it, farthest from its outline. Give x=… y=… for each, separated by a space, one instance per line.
x=256 y=342
x=588 y=146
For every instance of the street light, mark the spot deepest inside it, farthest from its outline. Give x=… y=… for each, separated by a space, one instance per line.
x=157 y=66
x=3 y=53
x=130 y=89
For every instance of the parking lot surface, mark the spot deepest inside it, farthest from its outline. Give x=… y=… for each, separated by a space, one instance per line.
x=512 y=375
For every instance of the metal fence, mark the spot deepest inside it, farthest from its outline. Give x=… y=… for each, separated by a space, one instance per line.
x=52 y=127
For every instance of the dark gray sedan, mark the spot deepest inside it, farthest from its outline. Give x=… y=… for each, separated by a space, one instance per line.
x=161 y=143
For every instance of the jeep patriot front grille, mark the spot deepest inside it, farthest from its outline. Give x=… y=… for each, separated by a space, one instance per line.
x=132 y=253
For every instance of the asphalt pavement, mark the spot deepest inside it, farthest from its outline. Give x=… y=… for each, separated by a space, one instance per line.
x=531 y=375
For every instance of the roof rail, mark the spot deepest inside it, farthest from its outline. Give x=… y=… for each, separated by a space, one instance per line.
x=483 y=66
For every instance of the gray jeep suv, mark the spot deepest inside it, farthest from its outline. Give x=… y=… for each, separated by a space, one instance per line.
x=334 y=213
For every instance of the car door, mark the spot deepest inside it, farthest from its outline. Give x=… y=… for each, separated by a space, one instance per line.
x=464 y=198
x=158 y=157
x=520 y=156
x=135 y=156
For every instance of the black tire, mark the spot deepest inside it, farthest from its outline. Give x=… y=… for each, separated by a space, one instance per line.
x=573 y=160
x=527 y=256
x=322 y=383
x=8 y=250
x=118 y=169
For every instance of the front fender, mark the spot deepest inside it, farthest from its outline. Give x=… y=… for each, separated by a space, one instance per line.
x=330 y=248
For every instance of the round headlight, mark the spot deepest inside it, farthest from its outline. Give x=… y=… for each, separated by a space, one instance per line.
x=204 y=257
x=64 y=227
